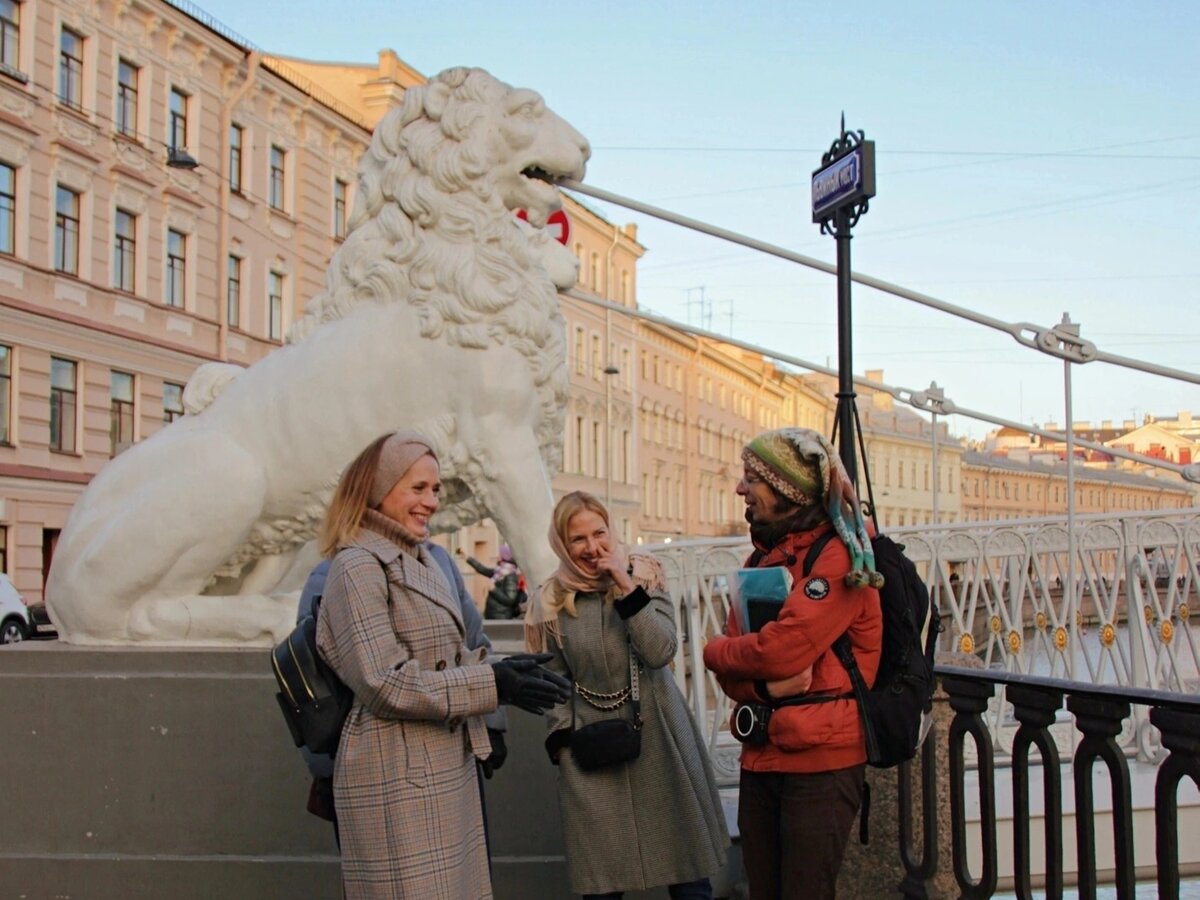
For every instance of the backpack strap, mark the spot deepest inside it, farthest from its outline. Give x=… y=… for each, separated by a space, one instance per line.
x=846 y=654
x=818 y=546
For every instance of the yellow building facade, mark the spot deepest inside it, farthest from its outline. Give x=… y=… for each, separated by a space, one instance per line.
x=167 y=198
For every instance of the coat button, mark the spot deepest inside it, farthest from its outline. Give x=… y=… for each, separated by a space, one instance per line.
x=458 y=658
x=453 y=724
x=441 y=664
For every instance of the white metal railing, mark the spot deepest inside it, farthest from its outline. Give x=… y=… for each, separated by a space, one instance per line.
x=1003 y=592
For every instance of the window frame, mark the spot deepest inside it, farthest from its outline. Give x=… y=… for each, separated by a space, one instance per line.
x=171 y=413
x=8 y=210
x=125 y=118
x=341 y=194
x=124 y=252
x=175 y=275
x=70 y=70
x=10 y=39
x=275 y=290
x=6 y=378
x=67 y=231
x=235 y=156
x=64 y=411
x=122 y=412
x=233 y=290
x=277 y=179
x=177 y=120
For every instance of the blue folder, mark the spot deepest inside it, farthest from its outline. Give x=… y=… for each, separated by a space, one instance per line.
x=761 y=594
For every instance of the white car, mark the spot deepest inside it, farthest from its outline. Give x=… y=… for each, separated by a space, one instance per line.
x=15 y=623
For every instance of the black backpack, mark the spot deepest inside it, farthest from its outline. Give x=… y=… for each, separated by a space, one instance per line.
x=314 y=700
x=895 y=710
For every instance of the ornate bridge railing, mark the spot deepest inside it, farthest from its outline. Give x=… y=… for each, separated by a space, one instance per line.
x=1004 y=594
x=1101 y=713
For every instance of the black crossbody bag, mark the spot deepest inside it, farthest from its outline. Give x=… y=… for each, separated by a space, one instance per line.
x=610 y=742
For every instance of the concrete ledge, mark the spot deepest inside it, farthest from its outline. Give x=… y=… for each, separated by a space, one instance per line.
x=136 y=773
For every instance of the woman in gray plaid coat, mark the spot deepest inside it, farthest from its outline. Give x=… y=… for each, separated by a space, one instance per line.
x=657 y=819
x=404 y=778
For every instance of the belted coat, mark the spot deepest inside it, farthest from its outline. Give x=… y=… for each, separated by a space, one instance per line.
x=404 y=779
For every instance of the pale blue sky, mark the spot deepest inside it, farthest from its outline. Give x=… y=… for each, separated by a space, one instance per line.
x=1033 y=158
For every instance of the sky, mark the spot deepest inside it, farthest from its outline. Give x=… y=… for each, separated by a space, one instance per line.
x=1034 y=159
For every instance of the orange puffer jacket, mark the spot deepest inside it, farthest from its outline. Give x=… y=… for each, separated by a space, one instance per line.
x=818 y=737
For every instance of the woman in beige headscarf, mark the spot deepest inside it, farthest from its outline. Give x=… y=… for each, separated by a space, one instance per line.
x=404 y=776
x=655 y=820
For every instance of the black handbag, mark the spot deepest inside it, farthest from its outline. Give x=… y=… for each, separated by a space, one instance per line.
x=611 y=742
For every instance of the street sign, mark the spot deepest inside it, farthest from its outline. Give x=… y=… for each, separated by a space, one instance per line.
x=557 y=223
x=847 y=180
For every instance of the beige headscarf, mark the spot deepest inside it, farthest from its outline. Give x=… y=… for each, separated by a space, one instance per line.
x=559 y=592
x=400 y=451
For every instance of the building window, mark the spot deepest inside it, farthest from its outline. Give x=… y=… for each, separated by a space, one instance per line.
x=579 y=359
x=8 y=208
x=70 y=69
x=339 y=208
x=235 y=158
x=124 y=251
x=120 y=428
x=127 y=98
x=597 y=364
x=233 y=291
x=177 y=139
x=172 y=402
x=10 y=36
x=173 y=293
x=275 y=311
x=66 y=231
x=4 y=548
x=278 y=178
x=5 y=393
x=62 y=405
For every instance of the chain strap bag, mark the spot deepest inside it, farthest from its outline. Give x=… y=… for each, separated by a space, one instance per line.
x=610 y=742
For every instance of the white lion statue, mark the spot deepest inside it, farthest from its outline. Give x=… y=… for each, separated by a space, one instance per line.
x=440 y=313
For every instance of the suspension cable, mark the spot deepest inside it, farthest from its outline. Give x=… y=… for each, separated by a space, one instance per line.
x=1050 y=341
x=917 y=399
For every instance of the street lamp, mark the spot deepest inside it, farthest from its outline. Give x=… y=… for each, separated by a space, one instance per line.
x=609 y=371
x=180 y=159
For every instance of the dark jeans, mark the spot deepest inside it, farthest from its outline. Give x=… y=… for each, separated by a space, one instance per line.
x=794 y=831
x=688 y=890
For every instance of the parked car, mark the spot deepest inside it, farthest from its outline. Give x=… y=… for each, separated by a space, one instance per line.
x=15 y=621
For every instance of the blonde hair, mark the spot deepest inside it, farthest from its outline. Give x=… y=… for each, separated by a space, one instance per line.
x=573 y=503
x=343 y=519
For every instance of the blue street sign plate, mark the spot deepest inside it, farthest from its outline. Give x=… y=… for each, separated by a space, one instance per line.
x=845 y=181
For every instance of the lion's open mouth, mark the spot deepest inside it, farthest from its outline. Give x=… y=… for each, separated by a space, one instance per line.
x=538 y=173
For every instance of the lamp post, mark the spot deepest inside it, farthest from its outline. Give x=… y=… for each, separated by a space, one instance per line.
x=841 y=190
x=609 y=371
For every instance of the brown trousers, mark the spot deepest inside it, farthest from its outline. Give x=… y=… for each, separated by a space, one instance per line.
x=794 y=830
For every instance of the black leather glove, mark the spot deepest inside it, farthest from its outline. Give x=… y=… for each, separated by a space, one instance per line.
x=522 y=682
x=499 y=753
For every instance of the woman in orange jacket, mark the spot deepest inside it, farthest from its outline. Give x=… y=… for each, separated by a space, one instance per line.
x=801 y=787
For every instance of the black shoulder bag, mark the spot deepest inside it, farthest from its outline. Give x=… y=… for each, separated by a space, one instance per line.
x=610 y=742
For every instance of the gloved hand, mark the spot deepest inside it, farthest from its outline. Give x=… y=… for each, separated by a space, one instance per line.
x=522 y=682
x=499 y=753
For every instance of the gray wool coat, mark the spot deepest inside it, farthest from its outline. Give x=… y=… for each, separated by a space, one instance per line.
x=656 y=820
x=404 y=778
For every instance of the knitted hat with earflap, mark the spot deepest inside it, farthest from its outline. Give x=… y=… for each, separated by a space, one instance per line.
x=802 y=466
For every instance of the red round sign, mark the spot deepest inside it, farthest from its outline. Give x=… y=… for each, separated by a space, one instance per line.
x=558 y=224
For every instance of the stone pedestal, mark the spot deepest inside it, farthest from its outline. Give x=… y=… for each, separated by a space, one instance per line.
x=134 y=774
